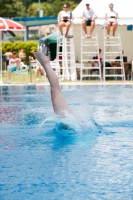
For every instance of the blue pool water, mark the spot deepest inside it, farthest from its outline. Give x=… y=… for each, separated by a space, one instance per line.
x=42 y=160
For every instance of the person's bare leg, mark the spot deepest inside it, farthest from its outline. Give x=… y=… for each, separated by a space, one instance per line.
x=119 y=70
x=37 y=72
x=108 y=29
x=42 y=71
x=68 y=24
x=84 y=27
x=59 y=103
x=17 y=64
x=92 y=27
x=114 y=28
x=91 y=71
x=61 y=25
x=9 y=75
x=126 y=71
x=43 y=74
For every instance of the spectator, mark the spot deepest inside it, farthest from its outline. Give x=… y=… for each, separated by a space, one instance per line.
x=8 y=55
x=64 y=18
x=22 y=55
x=111 y=20
x=39 y=69
x=88 y=17
x=14 y=64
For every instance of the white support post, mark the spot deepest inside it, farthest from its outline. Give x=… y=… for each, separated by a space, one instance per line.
x=112 y=49
x=89 y=49
x=68 y=56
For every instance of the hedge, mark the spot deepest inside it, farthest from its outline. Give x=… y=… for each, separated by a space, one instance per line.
x=29 y=47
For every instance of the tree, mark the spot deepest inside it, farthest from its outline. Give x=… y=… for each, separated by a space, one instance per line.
x=55 y=7
x=27 y=3
x=12 y=8
x=32 y=10
x=19 y=8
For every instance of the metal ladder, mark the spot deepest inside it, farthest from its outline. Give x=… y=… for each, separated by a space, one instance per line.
x=112 y=49
x=89 y=49
x=66 y=56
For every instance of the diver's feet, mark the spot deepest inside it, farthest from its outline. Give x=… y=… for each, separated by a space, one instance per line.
x=41 y=57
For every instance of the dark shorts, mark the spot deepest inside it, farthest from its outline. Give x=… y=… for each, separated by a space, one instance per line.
x=111 y=23
x=7 y=62
x=88 y=22
x=65 y=20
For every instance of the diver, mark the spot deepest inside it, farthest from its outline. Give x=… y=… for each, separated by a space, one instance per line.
x=60 y=105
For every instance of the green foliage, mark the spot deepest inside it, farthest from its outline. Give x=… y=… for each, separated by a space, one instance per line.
x=6 y=46
x=28 y=8
x=27 y=3
x=32 y=10
x=29 y=47
x=53 y=8
x=12 y=8
x=12 y=39
x=34 y=37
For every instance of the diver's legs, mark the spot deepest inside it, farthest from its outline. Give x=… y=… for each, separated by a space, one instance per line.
x=59 y=102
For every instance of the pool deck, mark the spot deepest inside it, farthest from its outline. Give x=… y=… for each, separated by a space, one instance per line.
x=73 y=83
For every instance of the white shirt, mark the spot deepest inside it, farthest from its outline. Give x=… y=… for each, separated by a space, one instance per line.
x=88 y=13
x=65 y=14
x=12 y=62
x=111 y=14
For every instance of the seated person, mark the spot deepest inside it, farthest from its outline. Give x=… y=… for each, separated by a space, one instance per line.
x=8 y=55
x=88 y=17
x=39 y=69
x=111 y=20
x=65 y=20
x=22 y=55
x=4 y=62
x=14 y=64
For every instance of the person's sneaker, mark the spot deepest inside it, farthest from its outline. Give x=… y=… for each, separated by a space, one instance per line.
x=43 y=78
x=16 y=71
x=37 y=79
x=9 y=81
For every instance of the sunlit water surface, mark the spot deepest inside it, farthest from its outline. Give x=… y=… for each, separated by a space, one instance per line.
x=89 y=159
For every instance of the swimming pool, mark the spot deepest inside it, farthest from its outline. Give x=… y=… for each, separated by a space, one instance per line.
x=40 y=159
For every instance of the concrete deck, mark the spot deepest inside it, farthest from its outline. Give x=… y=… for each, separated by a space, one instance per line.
x=73 y=83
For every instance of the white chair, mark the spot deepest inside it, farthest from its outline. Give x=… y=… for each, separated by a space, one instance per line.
x=22 y=71
x=33 y=64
